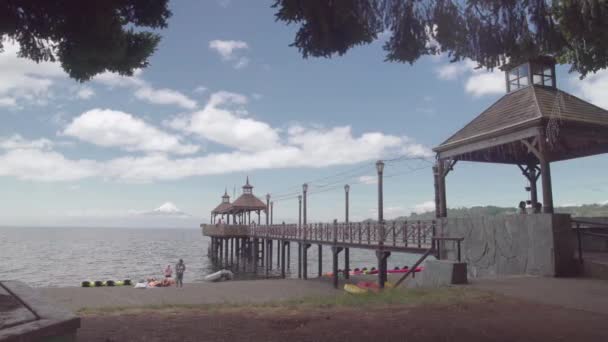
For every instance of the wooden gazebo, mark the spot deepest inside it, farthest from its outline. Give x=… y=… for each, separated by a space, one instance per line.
x=222 y=209
x=240 y=210
x=531 y=126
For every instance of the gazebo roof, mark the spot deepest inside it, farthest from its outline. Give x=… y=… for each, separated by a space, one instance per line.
x=223 y=207
x=522 y=114
x=247 y=202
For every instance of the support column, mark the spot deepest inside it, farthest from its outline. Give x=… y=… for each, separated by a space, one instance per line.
x=443 y=207
x=320 y=259
x=335 y=251
x=382 y=266
x=226 y=251
x=346 y=263
x=305 y=248
x=545 y=173
x=288 y=254
x=279 y=253
x=282 y=245
x=299 y=260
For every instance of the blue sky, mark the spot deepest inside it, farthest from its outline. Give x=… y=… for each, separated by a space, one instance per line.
x=225 y=97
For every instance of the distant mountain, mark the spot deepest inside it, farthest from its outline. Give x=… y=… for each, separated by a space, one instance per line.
x=168 y=209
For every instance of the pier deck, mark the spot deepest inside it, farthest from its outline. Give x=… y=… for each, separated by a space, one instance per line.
x=255 y=242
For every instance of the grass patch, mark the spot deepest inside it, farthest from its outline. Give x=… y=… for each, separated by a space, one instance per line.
x=389 y=297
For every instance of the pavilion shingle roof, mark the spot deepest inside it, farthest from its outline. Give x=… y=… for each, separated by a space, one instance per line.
x=528 y=105
x=222 y=208
x=248 y=202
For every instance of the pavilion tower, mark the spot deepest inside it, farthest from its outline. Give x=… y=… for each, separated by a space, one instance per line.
x=531 y=126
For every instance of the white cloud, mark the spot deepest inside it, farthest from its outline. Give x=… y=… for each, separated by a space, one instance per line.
x=452 y=71
x=257 y=96
x=486 y=83
x=368 y=180
x=45 y=166
x=424 y=207
x=479 y=82
x=219 y=121
x=254 y=145
x=16 y=141
x=229 y=50
x=241 y=63
x=200 y=89
x=111 y=128
x=111 y=79
x=8 y=102
x=144 y=91
x=593 y=88
x=165 y=96
x=24 y=80
x=85 y=93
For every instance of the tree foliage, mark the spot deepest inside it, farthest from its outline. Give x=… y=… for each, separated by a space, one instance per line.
x=87 y=37
x=490 y=32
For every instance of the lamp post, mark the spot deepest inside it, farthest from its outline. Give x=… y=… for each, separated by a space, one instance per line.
x=267 y=207
x=299 y=211
x=346 y=190
x=271 y=211
x=380 y=169
x=304 y=190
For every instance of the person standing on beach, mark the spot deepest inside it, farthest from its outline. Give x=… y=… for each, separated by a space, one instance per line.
x=168 y=271
x=180 y=268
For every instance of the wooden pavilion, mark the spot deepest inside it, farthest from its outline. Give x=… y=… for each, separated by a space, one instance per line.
x=222 y=209
x=531 y=126
x=240 y=210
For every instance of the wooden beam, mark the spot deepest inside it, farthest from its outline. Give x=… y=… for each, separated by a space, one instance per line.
x=531 y=148
x=449 y=153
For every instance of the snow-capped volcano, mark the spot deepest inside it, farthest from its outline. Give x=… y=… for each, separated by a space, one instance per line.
x=166 y=209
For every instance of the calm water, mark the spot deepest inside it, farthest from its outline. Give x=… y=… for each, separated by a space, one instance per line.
x=67 y=256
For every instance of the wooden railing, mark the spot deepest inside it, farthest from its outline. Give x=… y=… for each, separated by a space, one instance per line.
x=588 y=228
x=414 y=234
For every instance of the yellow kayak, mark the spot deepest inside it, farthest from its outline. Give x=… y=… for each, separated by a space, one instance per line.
x=354 y=289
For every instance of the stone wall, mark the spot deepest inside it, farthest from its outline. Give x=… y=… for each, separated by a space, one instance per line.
x=539 y=244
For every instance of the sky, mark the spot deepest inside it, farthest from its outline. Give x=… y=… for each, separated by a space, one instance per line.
x=225 y=97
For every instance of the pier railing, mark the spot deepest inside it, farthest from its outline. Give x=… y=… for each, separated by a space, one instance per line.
x=396 y=234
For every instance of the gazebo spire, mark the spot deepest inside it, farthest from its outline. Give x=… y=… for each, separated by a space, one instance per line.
x=247 y=188
x=226 y=197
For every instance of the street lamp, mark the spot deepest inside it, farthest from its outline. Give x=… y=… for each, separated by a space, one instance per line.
x=304 y=190
x=380 y=169
x=346 y=190
x=267 y=207
x=299 y=210
x=271 y=211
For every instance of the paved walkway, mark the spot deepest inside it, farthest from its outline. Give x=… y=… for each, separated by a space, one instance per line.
x=197 y=293
x=575 y=293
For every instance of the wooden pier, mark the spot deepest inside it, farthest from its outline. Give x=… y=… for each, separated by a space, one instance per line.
x=256 y=242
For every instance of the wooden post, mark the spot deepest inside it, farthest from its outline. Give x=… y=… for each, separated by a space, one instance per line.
x=382 y=266
x=335 y=251
x=288 y=254
x=443 y=207
x=283 y=245
x=320 y=260
x=305 y=248
x=299 y=260
x=545 y=172
x=346 y=263
x=436 y=187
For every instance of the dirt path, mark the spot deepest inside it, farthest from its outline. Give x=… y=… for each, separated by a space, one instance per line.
x=490 y=320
